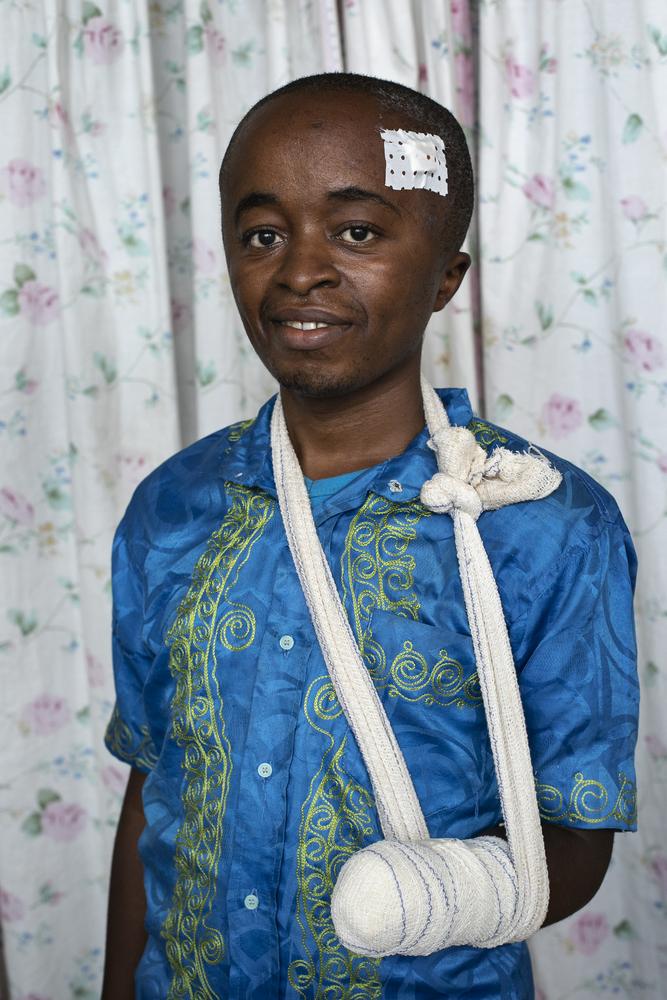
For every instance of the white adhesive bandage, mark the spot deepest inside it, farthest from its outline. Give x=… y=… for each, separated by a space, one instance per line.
x=414 y=160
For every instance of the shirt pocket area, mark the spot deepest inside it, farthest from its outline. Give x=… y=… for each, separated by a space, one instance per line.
x=426 y=677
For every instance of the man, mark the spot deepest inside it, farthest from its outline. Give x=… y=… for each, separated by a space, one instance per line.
x=246 y=780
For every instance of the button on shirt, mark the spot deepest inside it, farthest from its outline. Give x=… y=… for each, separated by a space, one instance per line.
x=218 y=672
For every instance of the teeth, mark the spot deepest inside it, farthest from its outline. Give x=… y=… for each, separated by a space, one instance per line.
x=304 y=326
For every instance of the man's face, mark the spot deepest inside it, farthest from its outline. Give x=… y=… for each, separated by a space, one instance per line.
x=313 y=236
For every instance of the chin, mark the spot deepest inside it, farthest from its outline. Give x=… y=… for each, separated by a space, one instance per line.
x=321 y=384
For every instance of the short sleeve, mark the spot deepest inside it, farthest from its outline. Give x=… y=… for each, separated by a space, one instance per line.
x=128 y=736
x=578 y=678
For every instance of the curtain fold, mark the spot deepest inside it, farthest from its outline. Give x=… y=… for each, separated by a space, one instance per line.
x=572 y=186
x=121 y=342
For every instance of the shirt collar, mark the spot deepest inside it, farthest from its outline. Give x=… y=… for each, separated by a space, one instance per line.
x=248 y=457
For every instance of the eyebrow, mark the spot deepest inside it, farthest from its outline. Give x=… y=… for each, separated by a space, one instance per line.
x=359 y=194
x=257 y=199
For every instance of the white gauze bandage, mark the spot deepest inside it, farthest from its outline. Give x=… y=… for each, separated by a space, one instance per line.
x=409 y=894
x=414 y=160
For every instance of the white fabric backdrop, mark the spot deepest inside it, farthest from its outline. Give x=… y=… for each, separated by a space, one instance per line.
x=120 y=342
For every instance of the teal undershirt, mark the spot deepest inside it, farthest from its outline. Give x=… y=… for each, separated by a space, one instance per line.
x=320 y=489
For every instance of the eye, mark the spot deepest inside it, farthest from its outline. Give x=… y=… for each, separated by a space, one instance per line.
x=357 y=234
x=262 y=239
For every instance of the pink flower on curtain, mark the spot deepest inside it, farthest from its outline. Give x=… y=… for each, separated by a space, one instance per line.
x=33 y=996
x=95 y=671
x=460 y=11
x=464 y=74
x=22 y=183
x=11 y=907
x=215 y=44
x=662 y=462
x=15 y=506
x=180 y=316
x=63 y=821
x=90 y=245
x=46 y=714
x=588 y=932
x=634 y=208
x=58 y=115
x=103 y=41
x=521 y=80
x=562 y=415
x=540 y=190
x=654 y=744
x=39 y=303
x=643 y=350
x=204 y=256
x=168 y=200
x=130 y=467
x=658 y=867
x=28 y=386
x=114 y=779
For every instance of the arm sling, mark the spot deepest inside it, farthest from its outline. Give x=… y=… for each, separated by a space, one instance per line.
x=409 y=894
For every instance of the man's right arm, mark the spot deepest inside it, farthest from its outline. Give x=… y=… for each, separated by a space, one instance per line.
x=126 y=936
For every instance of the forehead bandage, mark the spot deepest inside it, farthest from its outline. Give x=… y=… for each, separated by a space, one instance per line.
x=411 y=894
x=414 y=160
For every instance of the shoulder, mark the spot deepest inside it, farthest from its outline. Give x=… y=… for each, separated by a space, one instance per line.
x=576 y=529
x=579 y=500
x=188 y=484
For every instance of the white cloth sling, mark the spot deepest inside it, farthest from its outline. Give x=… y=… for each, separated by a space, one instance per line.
x=409 y=894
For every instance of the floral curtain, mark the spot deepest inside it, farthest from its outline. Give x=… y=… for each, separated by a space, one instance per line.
x=121 y=342
x=572 y=229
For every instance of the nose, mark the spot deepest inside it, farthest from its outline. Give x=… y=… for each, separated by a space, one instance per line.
x=306 y=263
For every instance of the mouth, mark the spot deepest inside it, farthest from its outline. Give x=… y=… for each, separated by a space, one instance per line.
x=308 y=329
x=297 y=325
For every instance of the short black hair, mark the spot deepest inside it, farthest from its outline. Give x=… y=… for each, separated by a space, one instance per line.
x=425 y=113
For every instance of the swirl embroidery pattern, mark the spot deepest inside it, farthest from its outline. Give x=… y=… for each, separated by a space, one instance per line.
x=121 y=741
x=485 y=434
x=192 y=941
x=410 y=677
x=588 y=802
x=378 y=572
x=376 y=562
x=337 y=819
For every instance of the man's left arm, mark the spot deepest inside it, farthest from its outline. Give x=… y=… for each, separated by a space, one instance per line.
x=577 y=861
x=579 y=688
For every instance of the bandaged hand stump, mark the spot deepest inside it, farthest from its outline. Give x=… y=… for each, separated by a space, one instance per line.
x=409 y=894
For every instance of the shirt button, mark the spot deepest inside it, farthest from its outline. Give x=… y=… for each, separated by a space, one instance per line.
x=286 y=642
x=395 y=486
x=265 y=770
x=251 y=901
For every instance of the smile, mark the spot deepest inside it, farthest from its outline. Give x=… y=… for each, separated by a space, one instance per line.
x=309 y=335
x=303 y=326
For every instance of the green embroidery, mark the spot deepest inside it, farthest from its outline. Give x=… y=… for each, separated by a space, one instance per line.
x=376 y=568
x=135 y=750
x=411 y=678
x=193 y=943
x=236 y=431
x=337 y=819
x=378 y=572
x=588 y=802
x=485 y=434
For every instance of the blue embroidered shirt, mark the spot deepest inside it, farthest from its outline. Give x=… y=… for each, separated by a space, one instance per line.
x=256 y=793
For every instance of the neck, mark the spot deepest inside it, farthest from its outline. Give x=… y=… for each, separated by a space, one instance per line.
x=344 y=433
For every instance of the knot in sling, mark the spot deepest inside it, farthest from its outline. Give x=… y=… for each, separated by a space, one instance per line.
x=409 y=894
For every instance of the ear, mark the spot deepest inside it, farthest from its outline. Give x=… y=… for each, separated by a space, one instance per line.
x=451 y=279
